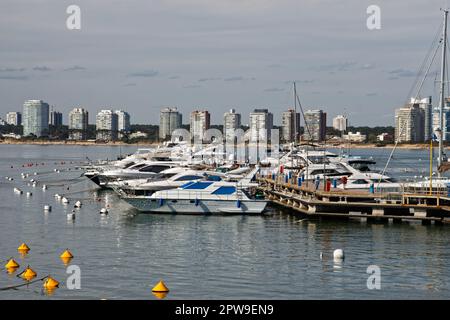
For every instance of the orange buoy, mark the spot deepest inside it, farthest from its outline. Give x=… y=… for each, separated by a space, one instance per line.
x=11 y=264
x=160 y=295
x=50 y=283
x=160 y=287
x=66 y=254
x=23 y=248
x=11 y=270
x=28 y=274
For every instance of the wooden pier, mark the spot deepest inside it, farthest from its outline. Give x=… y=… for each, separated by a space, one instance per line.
x=340 y=203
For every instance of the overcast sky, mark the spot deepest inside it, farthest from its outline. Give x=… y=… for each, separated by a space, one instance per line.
x=215 y=54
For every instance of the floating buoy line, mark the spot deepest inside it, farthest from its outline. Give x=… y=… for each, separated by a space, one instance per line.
x=29 y=275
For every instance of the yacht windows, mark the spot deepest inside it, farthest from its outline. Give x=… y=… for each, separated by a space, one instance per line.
x=138 y=166
x=154 y=168
x=129 y=165
x=360 y=181
x=225 y=190
x=214 y=178
x=197 y=185
x=188 y=178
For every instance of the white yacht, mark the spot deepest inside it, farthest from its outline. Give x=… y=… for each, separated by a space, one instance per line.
x=168 y=179
x=362 y=182
x=200 y=197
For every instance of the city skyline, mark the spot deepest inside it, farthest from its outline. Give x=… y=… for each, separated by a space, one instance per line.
x=216 y=56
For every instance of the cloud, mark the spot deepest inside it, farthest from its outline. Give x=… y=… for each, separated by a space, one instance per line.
x=191 y=86
x=299 y=81
x=402 y=73
x=274 y=65
x=12 y=69
x=273 y=90
x=43 y=68
x=144 y=74
x=173 y=77
x=367 y=66
x=371 y=94
x=336 y=67
x=13 y=77
x=238 y=78
x=75 y=68
x=131 y=84
x=208 y=79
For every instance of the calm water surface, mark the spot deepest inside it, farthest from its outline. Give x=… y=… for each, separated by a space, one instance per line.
x=275 y=256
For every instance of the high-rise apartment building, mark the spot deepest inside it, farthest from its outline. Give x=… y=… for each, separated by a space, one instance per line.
x=55 y=118
x=123 y=121
x=78 y=124
x=169 y=120
x=340 y=123
x=290 y=125
x=231 y=122
x=426 y=106
x=107 y=125
x=315 y=125
x=14 y=118
x=200 y=122
x=261 y=124
x=445 y=120
x=409 y=123
x=35 y=118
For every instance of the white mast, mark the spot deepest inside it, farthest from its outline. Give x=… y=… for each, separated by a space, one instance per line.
x=442 y=97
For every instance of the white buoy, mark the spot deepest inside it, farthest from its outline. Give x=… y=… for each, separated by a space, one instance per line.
x=35 y=173
x=57 y=196
x=34 y=184
x=71 y=216
x=18 y=191
x=321 y=255
x=338 y=254
x=32 y=180
x=78 y=204
x=29 y=194
x=10 y=179
x=55 y=170
x=103 y=211
x=65 y=200
x=47 y=208
x=44 y=187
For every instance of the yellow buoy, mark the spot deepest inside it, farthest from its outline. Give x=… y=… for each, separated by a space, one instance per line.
x=11 y=264
x=28 y=274
x=11 y=270
x=50 y=283
x=66 y=261
x=23 y=248
x=49 y=291
x=160 y=287
x=160 y=295
x=66 y=255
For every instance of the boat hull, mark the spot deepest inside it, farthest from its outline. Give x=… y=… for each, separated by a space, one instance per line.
x=186 y=206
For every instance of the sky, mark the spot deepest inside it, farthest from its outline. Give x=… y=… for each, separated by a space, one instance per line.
x=143 y=55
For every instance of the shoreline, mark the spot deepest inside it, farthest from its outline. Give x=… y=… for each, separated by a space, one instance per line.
x=76 y=143
x=413 y=146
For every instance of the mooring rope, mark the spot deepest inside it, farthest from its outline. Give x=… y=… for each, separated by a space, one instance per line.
x=22 y=284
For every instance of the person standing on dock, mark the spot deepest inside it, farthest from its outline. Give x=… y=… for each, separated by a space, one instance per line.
x=344 y=181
